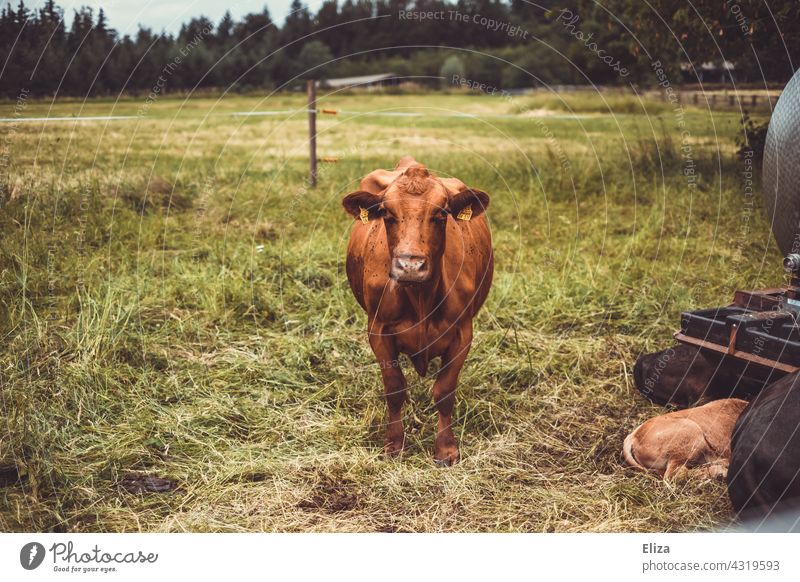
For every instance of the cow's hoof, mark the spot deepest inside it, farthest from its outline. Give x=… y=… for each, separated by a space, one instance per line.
x=717 y=471
x=393 y=448
x=446 y=456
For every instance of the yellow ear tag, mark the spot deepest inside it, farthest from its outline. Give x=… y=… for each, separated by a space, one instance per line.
x=364 y=215
x=466 y=213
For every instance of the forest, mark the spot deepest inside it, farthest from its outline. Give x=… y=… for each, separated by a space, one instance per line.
x=506 y=44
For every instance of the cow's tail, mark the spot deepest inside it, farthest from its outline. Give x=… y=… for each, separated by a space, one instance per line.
x=628 y=454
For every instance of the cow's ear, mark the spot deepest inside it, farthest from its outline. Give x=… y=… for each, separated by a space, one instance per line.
x=467 y=203
x=363 y=204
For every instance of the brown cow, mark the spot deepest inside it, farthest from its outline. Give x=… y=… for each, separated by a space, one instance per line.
x=695 y=437
x=420 y=264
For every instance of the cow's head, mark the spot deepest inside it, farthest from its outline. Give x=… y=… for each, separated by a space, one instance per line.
x=415 y=209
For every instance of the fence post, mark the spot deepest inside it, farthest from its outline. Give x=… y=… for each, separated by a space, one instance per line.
x=311 y=85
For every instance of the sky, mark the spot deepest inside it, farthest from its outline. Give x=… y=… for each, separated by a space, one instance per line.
x=125 y=15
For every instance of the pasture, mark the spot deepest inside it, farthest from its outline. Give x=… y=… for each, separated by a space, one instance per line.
x=173 y=303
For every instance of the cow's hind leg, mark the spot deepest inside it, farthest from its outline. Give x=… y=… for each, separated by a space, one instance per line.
x=675 y=468
x=394 y=387
x=444 y=395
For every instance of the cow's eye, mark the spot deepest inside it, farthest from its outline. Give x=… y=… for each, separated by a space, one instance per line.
x=440 y=216
x=387 y=217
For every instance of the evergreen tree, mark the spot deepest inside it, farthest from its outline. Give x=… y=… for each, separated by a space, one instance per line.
x=40 y=55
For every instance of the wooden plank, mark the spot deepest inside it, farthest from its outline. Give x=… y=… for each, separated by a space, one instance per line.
x=760 y=299
x=735 y=353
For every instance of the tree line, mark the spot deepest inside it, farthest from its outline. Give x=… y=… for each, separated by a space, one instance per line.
x=511 y=44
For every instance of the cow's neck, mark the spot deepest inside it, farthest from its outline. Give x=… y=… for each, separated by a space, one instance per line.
x=424 y=299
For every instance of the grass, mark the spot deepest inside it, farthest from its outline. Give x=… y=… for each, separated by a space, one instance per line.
x=173 y=303
x=605 y=102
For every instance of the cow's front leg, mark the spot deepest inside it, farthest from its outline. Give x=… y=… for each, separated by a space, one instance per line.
x=444 y=395
x=394 y=387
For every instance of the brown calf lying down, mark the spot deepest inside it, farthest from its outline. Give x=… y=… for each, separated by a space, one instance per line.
x=696 y=437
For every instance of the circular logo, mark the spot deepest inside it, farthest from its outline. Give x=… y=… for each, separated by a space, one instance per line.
x=31 y=555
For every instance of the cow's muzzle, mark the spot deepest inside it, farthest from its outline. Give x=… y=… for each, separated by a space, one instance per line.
x=410 y=269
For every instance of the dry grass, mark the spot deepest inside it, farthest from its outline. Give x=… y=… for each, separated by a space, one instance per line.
x=173 y=303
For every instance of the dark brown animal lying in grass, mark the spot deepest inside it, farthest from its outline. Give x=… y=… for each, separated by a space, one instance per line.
x=420 y=264
x=764 y=478
x=692 y=438
x=683 y=375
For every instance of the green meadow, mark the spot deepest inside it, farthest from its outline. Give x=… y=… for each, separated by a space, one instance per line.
x=173 y=304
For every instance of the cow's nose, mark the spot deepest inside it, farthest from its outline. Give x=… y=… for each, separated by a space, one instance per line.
x=411 y=264
x=410 y=268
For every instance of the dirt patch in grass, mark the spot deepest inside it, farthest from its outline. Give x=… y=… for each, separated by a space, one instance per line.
x=143 y=484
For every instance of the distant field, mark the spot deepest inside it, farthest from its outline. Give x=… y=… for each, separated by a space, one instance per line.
x=173 y=303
